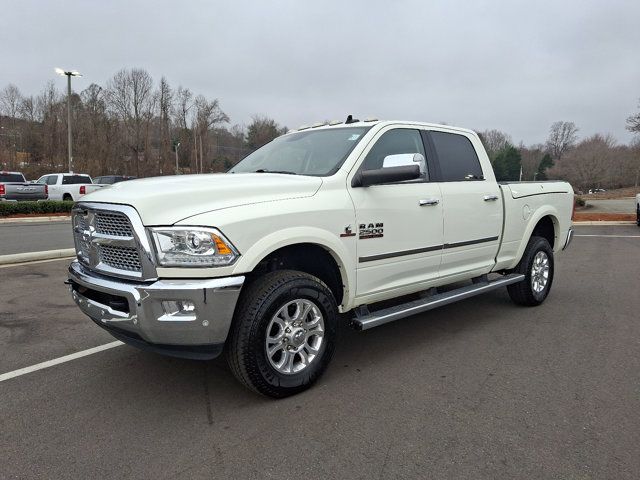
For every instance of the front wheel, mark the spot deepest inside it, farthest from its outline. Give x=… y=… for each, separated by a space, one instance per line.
x=537 y=267
x=283 y=334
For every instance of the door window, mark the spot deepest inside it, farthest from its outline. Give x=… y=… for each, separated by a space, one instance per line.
x=396 y=148
x=51 y=179
x=457 y=157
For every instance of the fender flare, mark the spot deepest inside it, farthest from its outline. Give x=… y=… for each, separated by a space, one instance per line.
x=295 y=236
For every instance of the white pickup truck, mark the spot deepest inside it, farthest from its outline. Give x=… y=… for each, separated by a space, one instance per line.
x=322 y=221
x=67 y=186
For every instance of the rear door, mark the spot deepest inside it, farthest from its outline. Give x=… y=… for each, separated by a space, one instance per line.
x=398 y=225
x=472 y=206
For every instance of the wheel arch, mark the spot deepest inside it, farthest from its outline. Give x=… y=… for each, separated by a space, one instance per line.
x=314 y=253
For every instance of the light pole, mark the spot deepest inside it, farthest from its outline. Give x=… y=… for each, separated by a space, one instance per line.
x=176 y=144
x=68 y=74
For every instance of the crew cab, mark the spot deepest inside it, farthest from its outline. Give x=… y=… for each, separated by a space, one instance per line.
x=364 y=221
x=66 y=186
x=14 y=187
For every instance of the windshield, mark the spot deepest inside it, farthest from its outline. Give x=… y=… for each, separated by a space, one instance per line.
x=312 y=152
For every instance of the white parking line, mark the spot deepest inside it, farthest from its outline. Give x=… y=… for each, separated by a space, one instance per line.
x=57 y=361
x=610 y=236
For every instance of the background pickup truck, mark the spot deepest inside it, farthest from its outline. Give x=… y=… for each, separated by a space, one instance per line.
x=376 y=221
x=65 y=186
x=638 y=209
x=14 y=187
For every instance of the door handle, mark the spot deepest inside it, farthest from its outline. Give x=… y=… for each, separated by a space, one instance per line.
x=490 y=198
x=429 y=202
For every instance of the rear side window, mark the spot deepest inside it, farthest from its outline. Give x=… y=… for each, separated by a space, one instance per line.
x=458 y=158
x=11 y=177
x=75 y=179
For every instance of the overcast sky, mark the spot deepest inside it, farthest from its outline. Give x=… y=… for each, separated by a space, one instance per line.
x=512 y=65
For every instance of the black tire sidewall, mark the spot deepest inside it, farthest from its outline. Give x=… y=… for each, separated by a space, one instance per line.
x=539 y=244
x=300 y=288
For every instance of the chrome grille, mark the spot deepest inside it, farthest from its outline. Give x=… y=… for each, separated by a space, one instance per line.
x=111 y=239
x=121 y=258
x=113 y=223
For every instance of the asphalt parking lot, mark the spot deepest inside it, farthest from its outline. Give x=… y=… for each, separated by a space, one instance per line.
x=478 y=389
x=35 y=236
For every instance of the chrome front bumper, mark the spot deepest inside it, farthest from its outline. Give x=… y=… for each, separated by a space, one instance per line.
x=133 y=310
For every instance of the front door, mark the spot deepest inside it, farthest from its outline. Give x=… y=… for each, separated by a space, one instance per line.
x=399 y=225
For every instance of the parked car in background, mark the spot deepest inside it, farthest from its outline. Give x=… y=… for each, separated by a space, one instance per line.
x=14 y=187
x=65 y=186
x=596 y=190
x=638 y=209
x=111 y=179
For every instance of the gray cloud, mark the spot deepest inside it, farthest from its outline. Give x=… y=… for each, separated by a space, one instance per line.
x=516 y=66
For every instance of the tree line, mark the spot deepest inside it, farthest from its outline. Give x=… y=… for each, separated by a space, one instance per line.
x=134 y=126
x=131 y=125
x=597 y=161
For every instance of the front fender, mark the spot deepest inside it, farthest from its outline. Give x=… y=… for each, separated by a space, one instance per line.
x=298 y=235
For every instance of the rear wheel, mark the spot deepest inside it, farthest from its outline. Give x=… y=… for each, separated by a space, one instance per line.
x=638 y=216
x=283 y=334
x=67 y=197
x=537 y=267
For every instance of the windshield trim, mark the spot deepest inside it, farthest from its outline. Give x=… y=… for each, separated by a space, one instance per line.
x=333 y=171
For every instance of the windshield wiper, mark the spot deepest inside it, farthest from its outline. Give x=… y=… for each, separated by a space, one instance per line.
x=263 y=170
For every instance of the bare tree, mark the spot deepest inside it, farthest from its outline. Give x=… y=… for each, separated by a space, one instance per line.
x=10 y=101
x=207 y=115
x=633 y=122
x=494 y=141
x=562 y=136
x=131 y=98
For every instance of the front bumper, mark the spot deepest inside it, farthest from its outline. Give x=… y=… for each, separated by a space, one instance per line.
x=133 y=311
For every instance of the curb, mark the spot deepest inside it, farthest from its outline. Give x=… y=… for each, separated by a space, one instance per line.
x=36 y=256
x=35 y=219
x=603 y=222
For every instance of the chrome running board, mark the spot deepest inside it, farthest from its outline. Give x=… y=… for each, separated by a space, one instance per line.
x=386 y=315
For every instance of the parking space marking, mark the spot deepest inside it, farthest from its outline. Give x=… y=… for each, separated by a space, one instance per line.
x=609 y=236
x=57 y=361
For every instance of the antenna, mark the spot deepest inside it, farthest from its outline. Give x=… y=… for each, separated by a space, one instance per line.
x=350 y=119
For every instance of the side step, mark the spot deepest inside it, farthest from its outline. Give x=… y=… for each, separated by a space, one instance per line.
x=386 y=315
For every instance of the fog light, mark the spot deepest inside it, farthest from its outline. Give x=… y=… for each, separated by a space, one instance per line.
x=178 y=310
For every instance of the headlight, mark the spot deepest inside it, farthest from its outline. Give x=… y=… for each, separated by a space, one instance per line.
x=192 y=247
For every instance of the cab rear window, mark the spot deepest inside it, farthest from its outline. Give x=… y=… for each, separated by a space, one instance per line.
x=11 y=177
x=75 y=179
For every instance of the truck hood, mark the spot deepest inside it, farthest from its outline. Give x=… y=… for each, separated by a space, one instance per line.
x=167 y=200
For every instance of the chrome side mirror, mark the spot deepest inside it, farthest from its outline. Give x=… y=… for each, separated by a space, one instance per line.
x=406 y=159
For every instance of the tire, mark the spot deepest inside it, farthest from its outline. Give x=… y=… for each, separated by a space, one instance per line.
x=638 y=216
x=267 y=308
x=67 y=197
x=533 y=290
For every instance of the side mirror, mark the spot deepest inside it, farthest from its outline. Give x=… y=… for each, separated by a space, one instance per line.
x=386 y=175
x=403 y=159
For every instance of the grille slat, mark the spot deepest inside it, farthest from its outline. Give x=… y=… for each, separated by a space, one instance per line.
x=122 y=258
x=115 y=224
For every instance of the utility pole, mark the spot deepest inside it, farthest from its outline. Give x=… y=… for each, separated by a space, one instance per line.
x=69 y=74
x=176 y=144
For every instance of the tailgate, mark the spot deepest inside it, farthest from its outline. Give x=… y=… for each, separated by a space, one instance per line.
x=24 y=191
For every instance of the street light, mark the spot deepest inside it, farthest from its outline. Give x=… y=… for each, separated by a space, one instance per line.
x=68 y=74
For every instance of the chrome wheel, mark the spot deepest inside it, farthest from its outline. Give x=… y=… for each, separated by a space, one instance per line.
x=294 y=336
x=540 y=272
